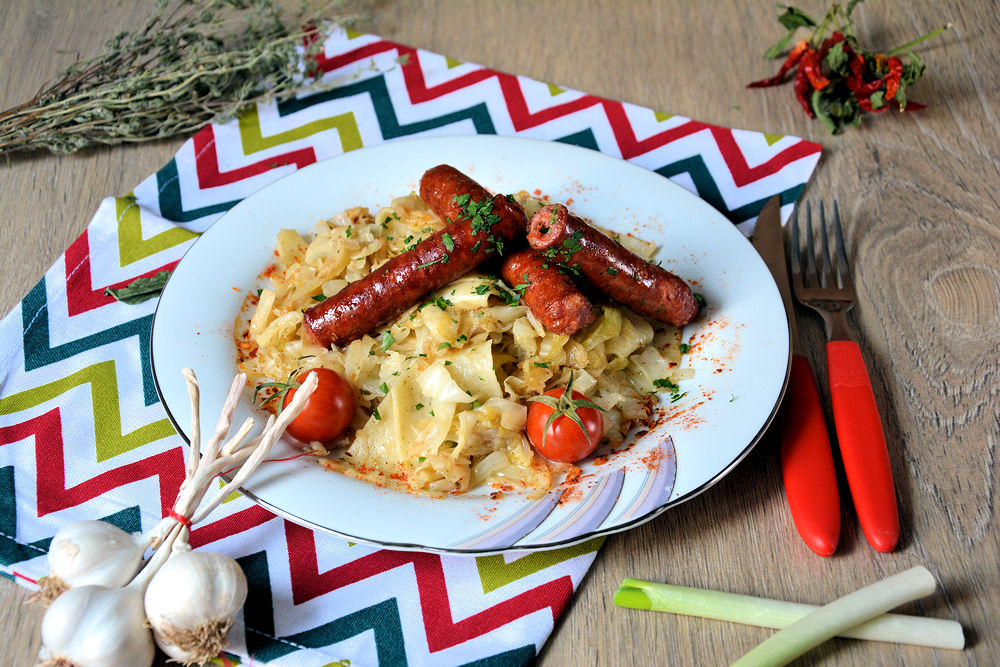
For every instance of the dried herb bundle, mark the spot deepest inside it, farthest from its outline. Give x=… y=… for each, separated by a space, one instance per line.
x=191 y=63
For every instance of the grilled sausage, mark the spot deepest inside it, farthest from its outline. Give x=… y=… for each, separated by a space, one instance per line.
x=551 y=296
x=436 y=261
x=649 y=290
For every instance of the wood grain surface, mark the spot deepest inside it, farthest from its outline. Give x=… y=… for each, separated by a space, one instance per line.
x=918 y=197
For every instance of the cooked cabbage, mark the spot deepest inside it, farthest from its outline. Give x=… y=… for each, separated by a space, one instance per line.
x=442 y=390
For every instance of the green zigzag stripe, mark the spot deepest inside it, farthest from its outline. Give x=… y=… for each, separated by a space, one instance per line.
x=110 y=441
x=253 y=140
x=264 y=646
x=12 y=551
x=695 y=167
x=37 y=353
x=131 y=246
x=495 y=573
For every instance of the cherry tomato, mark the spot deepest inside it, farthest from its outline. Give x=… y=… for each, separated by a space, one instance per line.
x=328 y=411
x=564 y=440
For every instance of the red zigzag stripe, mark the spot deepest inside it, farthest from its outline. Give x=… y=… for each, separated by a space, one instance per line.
x=442 y=632
x=80 y=294
x=209 y=174
x=523 y=119
x=230 y=525
x=52 y=494
x=207 y=161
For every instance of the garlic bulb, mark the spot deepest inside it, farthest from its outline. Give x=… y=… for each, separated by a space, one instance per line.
x=191 y=601
x=90 y=552
x=94 y=626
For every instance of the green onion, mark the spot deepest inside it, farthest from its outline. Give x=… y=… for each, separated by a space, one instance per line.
x=845 y=617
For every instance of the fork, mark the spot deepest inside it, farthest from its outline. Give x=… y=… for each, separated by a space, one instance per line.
x=825 y=286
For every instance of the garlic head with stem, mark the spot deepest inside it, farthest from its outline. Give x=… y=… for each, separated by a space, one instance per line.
x=90 y=552
x=97 y=626
x=191 y=603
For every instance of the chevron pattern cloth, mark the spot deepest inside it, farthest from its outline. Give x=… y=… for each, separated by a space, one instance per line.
x=83 y=435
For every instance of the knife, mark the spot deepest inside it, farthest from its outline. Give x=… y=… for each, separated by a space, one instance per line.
x=806 y=458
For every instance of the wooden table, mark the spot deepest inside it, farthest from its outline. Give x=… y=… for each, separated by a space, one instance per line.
x=918 y=194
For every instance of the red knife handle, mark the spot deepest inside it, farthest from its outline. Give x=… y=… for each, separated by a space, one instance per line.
x=807 y=463
x=862 y=444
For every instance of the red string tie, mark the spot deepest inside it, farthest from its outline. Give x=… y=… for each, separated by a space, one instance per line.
x=181 y=519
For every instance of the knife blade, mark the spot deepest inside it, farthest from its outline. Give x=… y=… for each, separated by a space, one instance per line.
x=806 y=458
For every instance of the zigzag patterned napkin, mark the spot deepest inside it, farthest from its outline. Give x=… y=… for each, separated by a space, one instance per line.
x=82 y=433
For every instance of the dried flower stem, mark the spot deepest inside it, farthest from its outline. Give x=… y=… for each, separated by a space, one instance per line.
x=191 y=63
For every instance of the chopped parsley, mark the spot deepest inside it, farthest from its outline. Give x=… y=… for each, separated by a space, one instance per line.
x=684 y=348
x=376 y=415
x=347 y=232
x=572 y=244
x=475 y=404
x=319 y=297
x=387 y=340
x=543 y=364
x=384 y=388
x=419 y=406
x=612 y=271
x=444 y=345
x=481 y=289
x=449 y=242
x=700 y=300
x=442 y=259
x=462 y=339
x=665 y=383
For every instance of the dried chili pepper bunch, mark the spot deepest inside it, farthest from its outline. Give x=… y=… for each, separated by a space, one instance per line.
x=837 y=80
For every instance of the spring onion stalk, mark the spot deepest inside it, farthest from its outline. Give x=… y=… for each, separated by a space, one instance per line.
x=767 y=613
x=815 y=628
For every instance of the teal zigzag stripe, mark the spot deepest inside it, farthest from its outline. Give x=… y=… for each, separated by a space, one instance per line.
x=37 y=353
x=171 y=206
x=695 y=167
x=583 y=139
x=170 y=198
x=12 y=551
x=387 y=119
x=382 y=618
x=169 y=186
x=512 y=658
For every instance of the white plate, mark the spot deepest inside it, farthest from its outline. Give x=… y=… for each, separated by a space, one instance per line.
x=741 y=354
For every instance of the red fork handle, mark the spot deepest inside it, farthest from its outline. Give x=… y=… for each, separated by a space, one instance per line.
x=862 y=444
x=807 y=463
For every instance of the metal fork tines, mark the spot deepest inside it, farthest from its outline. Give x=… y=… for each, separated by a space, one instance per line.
x=822 y=284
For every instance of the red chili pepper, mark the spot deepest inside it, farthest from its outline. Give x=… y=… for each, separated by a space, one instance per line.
x=866 y=104
x=855 y=80
x=910 y=105
x=810 y=63
x=895 y=74
x=791 y=61
x=835 y=38
x=803 y=90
